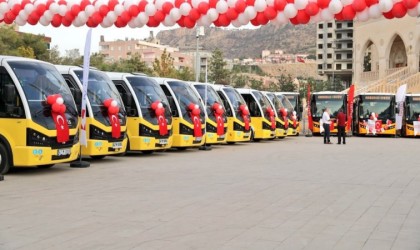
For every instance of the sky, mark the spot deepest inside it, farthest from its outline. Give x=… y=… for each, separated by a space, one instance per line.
x=67 y=38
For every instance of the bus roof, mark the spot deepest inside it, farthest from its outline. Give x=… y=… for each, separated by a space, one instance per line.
x=288 y=93
x=327 y=93
x=378 y=94
x=245 y=91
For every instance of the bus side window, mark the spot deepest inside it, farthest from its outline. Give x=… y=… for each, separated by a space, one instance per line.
x=125 y=94
x=226 y=104
x=171 y=101
x=253 y=109
x=10 y=102
x=73 y=89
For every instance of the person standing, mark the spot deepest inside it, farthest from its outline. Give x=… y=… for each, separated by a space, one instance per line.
x=341 y=123
x=326 y=121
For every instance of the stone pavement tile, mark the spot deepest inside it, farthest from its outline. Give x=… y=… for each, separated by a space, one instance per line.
x=377 y=244
x=405 y=245
x=391 y=223
x=383 y=235
x=408 y=235
x=323 y=241
x=264 y=244
x=401 y=206
x=298 y=240
x=349 y=244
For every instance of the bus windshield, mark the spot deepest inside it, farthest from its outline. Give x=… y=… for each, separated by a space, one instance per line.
x=39 y=80
x=276 y=102
x=100 y=88
x=413 y=109
x=334 y=102
x=263 y=102
x=212 y=97
x=293 y=100
x=184 y=96
x=236 y=100
x=286 y=103
x=148 y=91
x=380 y=106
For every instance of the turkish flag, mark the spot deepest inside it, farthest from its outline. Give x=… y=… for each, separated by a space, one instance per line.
x=197 y=125
x=61 y=126
x=378 y=125
x=332 y=125
x=220 y=125
x=163 y=125
x=115 y=124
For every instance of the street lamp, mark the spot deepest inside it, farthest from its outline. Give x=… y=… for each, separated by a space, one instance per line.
x=199 y=32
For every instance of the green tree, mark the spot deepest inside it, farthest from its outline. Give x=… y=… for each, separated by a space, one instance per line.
x=218 y=74
x=54 y=55
x=9 y=41
x=185 y=74
x=27 y=52
x=256 y=84
x=239 y=80
x=165 y=66
x=285 y=83
x=38 y=44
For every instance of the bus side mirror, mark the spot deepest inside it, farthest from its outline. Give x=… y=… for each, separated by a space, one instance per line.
x=9 y=93
x=127 y=97
x=77 y=95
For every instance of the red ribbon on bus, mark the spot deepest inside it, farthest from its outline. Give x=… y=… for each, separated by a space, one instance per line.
x=159 y=110
x=113 y=109
x=244 y=113
x=270 y=113
x=283 y=113
x=218 y=112
x=58 y=109
x=195 y=117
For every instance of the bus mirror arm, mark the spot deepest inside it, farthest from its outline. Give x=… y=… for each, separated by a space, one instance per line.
x=10 y=93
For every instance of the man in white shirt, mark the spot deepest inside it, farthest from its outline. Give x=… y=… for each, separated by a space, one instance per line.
x=326 y=120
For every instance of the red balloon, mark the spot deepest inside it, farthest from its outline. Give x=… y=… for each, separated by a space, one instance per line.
x=16 y=9
x=159 y=111
x=125 y=17
x=270 y=13
x=399 y=10
x=33 y=18
x=323 y=4
x=189 y=23
x=280 y=4
x=212 y=3
x=348 y=13
x=359 y=5
x=195 y=111
x=93 y=24
x=215 y=106
x=388 y=15
x=191 y=106
x=410 y=4
x=312 y=9
x=75 y=9
x=220 y=111
x=240 y=6
x=339 y=16
x=41 y=9
x=56 y=20
x=290 y=1
x=194 y=15
x=152 y=22
x=250 y=2
x=224 y=20
x=9 y=17
x=56 y=107
x=178 y=3
x=294 y=20
x=231 y=14
x=83 y=4
x=113 y=110
x=181 y=21
x=142 y=5
x=203 y=7
x=302 y=17
x=62 y=108
x=159 y=16
x=107 y=102
x=51 y=99
x=154 y=105
x=133 y=10
x=68 y=16
x=167 y=7
x=112 y=4
x=261 y=19
x=97 y=18
x=371 y=2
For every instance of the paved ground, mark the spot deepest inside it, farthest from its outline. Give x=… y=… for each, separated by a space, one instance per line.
x=296 y=193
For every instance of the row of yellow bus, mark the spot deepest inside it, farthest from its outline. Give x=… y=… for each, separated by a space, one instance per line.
x=40 y=114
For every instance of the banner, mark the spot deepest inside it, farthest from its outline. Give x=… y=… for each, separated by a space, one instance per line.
x=399 y=100
x=86 y=60
x=350 y=98
x=308 y=105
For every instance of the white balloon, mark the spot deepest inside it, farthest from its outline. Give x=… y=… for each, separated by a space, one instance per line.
x=250 y=12
x=374 y=11
x=20 y=21
x=195 y=3
x=150 y=9
x=62 y=10
x=413 y=12
x=290 y=10
x=316 y=18
x=243 y=19
x=236 y=23
x=44 y=21
x=213 y=15
x=106 y=22
x=143 y=18
x=175 y=14
x=207 y=21
x=111 y=16
x=326 y=15
x=54 y=8
x=270 y=2
x=231 y=3
x=23 y=15
x=395 y=1
x=48 y=14
x=132 y=23
x=90 y=10
x=385 y=5
x=29 y=8
x=346 y=2
x=4 y=7
x=281 y=18
x=301 y=4
x=260 y=5
x=168 y=22
x=12 y=3
x=118 y=9
x=185 y=8
x=159 y=3
x=221 y=7
x=335 y=7
x=363 y=16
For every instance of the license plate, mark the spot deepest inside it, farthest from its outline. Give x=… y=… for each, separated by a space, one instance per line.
x=222 y=136
x=117 y=145
x=198 y=139
x=163 y=141
x=64 y=151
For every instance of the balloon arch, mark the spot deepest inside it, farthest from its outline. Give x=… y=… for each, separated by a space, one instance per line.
x=189 y=13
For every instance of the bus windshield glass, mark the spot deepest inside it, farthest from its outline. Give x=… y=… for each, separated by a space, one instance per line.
x=236 y=100
x=263 y=102
x=147 y=92
x=212 y=97
x=414 y=108
x=286 y=103
x=333 y=102
x=380 y=105
x=100 y=88
x=40 y=80
x=276 y=102
x=293 y=100
x=184 y=96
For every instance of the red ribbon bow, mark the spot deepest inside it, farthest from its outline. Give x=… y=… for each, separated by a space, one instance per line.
x=283 y=112
x=160 y=116
x=270 y=113
x=218 y=112
x=113 y=110
x=245 y=112
x=58 y=109
x=195 y=117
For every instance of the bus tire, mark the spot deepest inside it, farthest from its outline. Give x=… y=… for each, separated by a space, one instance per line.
x=4 y=159
x=97 y=157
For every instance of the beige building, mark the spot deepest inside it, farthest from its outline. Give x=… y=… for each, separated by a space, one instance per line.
x=149 y=50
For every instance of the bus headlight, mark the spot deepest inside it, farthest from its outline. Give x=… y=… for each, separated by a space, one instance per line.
x=97 y=133
x=145 y=131
x=37 y=139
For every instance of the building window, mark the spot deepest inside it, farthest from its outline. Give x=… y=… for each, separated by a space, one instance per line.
x=338 y=66
x=320 y=46
x=339 y=25
x=319 y=56
x=338 y=36
x=349 y=45
x=329 y=66
x=329 y=35
x=338 y=56
x=319 y=66
x=350 y=25
x=349 y=55
x=330 y=25
x=339 y=46
x=349 y=34
x=320 y=36
x=329 y=45
x=349 y=66
x=329 y=56
x=320 y=26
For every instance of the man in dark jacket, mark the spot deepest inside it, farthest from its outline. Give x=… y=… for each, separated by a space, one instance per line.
x=341 y=123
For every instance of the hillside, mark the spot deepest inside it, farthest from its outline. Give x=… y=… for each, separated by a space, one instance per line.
x=245 y=43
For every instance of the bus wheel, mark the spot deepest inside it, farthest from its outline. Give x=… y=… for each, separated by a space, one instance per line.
x=46 y=166
x=97 y=157
x=4 y=159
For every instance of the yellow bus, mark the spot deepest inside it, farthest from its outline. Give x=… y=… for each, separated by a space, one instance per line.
x=237 y=112
x=411 y=118
x=188 y=116
x=292 y=121
x=38 y=115
x=280 y=112
x=263 y=122
x=106 y=131
x=326 y=99
x=296 y=112
x=216 y=121
x=374 y=114
x=149 y=118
